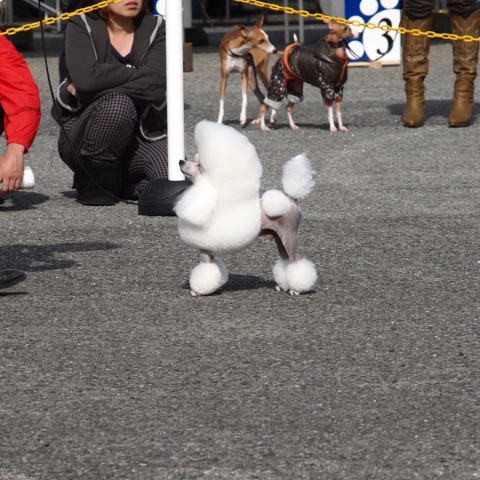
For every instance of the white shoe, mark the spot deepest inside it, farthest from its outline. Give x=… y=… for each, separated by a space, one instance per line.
x=28 y=180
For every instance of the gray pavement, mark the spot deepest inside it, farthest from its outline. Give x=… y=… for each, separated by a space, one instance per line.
x=110 y=370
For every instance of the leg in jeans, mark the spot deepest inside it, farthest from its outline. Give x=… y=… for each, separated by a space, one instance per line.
x=94 y=144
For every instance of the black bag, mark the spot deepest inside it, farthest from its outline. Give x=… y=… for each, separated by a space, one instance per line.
x=160 y=196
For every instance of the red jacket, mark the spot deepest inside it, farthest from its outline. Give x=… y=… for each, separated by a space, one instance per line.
x=19 y=96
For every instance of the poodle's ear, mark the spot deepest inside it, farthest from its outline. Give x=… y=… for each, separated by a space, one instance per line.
x=198 y=202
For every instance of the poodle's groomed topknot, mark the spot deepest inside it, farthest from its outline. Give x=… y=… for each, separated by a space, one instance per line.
x=225 y=152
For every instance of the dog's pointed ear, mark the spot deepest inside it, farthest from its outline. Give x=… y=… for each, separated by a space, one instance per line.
x=329 y=24
x=259 y=23
x=242 y=29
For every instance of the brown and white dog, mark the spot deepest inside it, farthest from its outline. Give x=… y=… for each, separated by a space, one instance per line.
x=323 y=65
x=246 y=51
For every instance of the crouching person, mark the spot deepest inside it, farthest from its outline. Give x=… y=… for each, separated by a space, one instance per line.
x=20 y=118
x=111 y=105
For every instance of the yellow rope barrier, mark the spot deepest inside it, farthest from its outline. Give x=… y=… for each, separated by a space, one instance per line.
x=63 y=17
x=322 y=17
x=258 y=3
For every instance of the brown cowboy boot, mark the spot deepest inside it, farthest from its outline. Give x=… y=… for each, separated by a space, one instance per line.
x=415 y=69
x=465 y=56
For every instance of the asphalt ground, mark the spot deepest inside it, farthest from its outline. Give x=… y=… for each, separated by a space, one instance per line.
x=111 y=370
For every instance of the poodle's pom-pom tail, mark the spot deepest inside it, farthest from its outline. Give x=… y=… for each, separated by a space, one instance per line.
x=297 y=177
x=280 y=274
x=206 y=278
x=301 y=275
x=275 y=203
x=295 y=277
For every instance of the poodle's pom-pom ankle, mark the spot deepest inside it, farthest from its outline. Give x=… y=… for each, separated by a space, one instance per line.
x=280 y=274
x=301 y=276
x=275 y=203
x=297 y=177
x=295 y=277
x=206 y=278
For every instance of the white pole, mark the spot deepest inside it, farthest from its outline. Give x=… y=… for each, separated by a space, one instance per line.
x=9 y=12
x=301 y=22
x=187 y=13
x=175 y=114
x=286 y=24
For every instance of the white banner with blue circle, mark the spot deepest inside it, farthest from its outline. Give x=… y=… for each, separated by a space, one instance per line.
x=375 y=45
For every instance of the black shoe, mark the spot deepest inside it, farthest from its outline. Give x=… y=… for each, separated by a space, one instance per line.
x=10 y=277
x=96 y=197
x=160 y=196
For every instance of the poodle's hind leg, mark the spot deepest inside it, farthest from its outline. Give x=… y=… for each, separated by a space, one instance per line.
x=301 y=276
x=294 y=277
x=208 y=276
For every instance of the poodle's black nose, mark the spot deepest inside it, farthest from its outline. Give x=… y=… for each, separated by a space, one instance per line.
x=181 y=163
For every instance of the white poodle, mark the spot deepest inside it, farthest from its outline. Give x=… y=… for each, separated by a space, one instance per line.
x=222 y=211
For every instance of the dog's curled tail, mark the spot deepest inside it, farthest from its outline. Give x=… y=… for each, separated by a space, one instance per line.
x=297 y=177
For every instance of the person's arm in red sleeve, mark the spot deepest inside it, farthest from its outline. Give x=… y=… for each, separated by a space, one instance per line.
x=20 y=102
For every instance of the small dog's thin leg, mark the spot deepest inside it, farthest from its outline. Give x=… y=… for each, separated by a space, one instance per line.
x=292 y=124
x=220 y=112
x=223 y=89
x=333 y=128
x=273 y=117
x=261 y=119
x=341 y=127
x=243 y=113
x=252 y=79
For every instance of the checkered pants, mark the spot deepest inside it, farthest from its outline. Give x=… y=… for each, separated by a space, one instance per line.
x=103 y=142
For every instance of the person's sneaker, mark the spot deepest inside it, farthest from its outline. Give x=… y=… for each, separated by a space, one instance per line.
x=10 y=277
x=28 y=180
x=96 y=197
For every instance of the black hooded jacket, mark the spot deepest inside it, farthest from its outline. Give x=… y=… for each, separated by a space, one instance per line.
x=317 y=62
x=92 y=70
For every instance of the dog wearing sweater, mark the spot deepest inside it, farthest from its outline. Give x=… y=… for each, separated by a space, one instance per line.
x=323 y=65
x=222 y=211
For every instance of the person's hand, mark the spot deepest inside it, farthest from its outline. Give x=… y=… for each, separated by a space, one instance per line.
x=11 y=168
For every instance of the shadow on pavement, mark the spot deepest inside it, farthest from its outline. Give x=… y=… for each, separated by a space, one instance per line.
x=433 y=108
x=38 y=258
x=22 y=201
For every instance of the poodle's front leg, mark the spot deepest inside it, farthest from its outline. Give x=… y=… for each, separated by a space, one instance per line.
x=206 y=257
x=208 y=276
